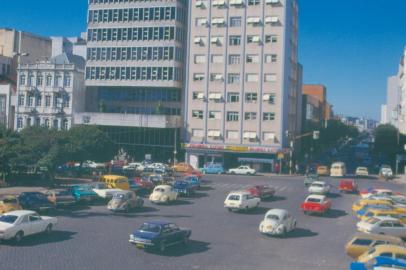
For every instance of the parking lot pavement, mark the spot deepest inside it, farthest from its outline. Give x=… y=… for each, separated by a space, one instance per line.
x=18 y=190
x=94 y=238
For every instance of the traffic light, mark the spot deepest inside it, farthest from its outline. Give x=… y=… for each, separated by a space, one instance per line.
x=316 y=135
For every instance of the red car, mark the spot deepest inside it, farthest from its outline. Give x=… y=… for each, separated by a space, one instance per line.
x=262 y=192
x=316 y=204
x=139 y=183
x=194 y=173
x=348 y=185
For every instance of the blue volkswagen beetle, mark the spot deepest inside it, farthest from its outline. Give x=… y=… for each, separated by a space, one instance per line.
x=387 y=262
x=159 y=235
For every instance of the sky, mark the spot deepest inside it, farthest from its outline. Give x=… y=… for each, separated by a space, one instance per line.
x=349 y=46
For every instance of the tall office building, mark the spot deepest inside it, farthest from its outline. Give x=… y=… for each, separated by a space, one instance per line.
x=243 y=84
x=135 y=72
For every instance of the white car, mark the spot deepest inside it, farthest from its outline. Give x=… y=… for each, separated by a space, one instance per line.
x=383 y=225
x=319 y=187
x=361 y=171
x=163 y=194
x=103 y=192
x=277 y=222
x=18 y=224
x=241 y=200
x=134 y=166
x=242 y=170
x=368 y=193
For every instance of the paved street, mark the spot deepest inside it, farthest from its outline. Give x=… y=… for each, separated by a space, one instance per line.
x=94 y=238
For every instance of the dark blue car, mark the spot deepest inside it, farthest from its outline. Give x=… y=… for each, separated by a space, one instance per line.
x=184 y=188
x=379 y=261
x=193 y=180
x=159 y=235
x=35 y=201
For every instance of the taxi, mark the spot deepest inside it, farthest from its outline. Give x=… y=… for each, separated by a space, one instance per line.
x=394 y=251
x=358 y=205
x=384 y=213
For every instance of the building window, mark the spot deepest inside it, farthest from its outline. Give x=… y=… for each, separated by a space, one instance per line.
x=270 y=98
x=46 y=122
x=253 y=39
x=250 y=116
x=47 y=101
x=28 y=121
x=58 y=81
x=271 y=39
x=197 y=133
x=197 y=114
x=251 y=97
x=252 y=58
x=30 y=101
x=40 y=79
x=38 y=121
x=270 y=77
x=234 y=59
x=65 y=124
x=19 y=122
x=55 y=123
x=232 y=116
x=67 y=81
x=268 y=136
x=233 y=97
x=235 y=21
x=198 y=76
x=233 y=78
x=268 y=116
x=38 y=100
x=30 y=80
x=253 y=2
x=214 y=134
x=48 y=80
x=216 y=77
x=271 y=58
x=198 y=95
x=22 y=79
x=217 y=58
x=252 y=77
x=232 y=134
x=200 y=59
x=21 y=100
x=66 y=101
x=234 y=40
x=214 y=115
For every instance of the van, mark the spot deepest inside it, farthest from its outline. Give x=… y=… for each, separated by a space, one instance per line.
x=116 y=181
x=338 y=169
x=362 y=242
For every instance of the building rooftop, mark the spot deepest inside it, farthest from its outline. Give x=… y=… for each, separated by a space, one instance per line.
x=66 y=58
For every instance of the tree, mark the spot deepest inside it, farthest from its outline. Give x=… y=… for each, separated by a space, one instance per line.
x=85 y=142
x=388 y=142
x=8 y=140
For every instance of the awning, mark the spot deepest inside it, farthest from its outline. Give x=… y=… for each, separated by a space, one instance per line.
x=214 y=96
x=272 y=19
x=256 y=160
x=213 y=133
x=253 y=20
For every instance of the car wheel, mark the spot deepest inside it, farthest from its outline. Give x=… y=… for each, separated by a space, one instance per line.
x=48 y=229
x=229 y=209
x=305 y=212
x=18 y=237
x=162 y=247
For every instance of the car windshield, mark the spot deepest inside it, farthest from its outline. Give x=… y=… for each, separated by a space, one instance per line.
x=317 y=185
x=159 y=190
x=315 y=200
x=10 y=200
x=273 y=217
x=147 y=227
x=8 y=218
x=37 y=196
x=234 y=197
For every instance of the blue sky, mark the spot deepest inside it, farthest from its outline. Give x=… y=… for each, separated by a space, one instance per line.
x=349 y=46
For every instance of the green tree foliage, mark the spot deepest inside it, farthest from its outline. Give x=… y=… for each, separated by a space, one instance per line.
x=388 y=142
x=8 y=141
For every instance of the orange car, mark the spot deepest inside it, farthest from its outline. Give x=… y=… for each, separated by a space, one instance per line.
x=183 y=167
x=9 y=203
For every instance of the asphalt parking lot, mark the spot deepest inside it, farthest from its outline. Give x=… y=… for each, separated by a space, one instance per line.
x=94 y=238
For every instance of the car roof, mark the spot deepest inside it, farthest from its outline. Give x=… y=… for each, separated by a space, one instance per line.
x=239 y=192
x=319 y=182
x=276 y=211
x=381 y=218
x=389 y=247
x=20 y=213
x=372 y=236
x=320 y=197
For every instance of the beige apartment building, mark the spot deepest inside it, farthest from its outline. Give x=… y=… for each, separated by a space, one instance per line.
x=244 y=81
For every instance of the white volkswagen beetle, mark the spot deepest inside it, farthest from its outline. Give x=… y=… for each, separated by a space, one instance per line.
x=18 y=224
x=163 y=194
x=277 y=222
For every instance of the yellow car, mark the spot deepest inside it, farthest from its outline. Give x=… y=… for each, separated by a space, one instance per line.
x=392 y=251
x=363 y=202
x=9 y=203
x=323 y=171
x=115 y=181
x=384 y=213
x=362 y=242
x=183 y=167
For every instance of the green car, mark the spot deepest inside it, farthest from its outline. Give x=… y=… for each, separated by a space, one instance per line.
x=310 y=178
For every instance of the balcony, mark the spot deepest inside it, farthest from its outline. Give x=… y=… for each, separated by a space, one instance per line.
x=128 y=120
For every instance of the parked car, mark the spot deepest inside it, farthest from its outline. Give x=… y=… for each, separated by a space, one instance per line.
x=60 y=197
x=362 y=242
x=213 y=169
x=196 y=173
x=386 y=172
x=241 y=200
x=261 y=191
x=366 y=193
x=361 y=172
x=102 y=190
x=35 y=201
x=319 y=187
x=184 y=188
x=316 y=204
x=323 y=171
x=193 y=180
x=383 y=225
x=156 y=179
x=124 y=200
x=115 y=181
x=358 y=205
x=380 y=262
x=163 y=194
x=373 y=212
x=338 y=169
x=348 y=186
x=183 y=167
x=9 y=203
x=134 y=166
x=390 y=251
x=83 y=193
x=159 y=235
x=139 y=183
x=277 y=222
x=360 y=213
x=310 y=178
x=242 y=170
x=16 y=225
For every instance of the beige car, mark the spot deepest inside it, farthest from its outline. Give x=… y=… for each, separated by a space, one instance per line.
x=362 y=242
x=163 y=194
x=361 y=171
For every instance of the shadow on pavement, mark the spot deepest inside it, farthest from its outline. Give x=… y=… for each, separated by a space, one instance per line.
x=256 y=211
x=334 y=195
x=198 y=195
x=192 y=247
x=335 y=213
x=274 y=199
x=206 y=188
x=40 y=239
x=301 y=232
x=180 y=202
